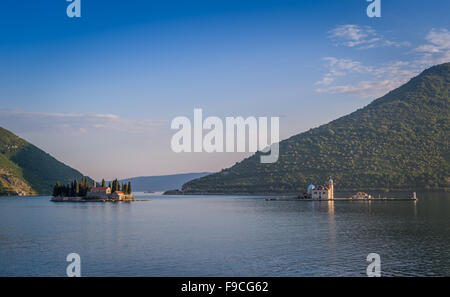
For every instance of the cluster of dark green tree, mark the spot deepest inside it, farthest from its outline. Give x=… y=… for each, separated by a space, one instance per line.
x=80 y=189
x=398 y=142
x=74 y=189
x=125 y=187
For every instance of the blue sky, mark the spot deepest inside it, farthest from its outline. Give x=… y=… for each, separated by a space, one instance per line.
x=106 y=86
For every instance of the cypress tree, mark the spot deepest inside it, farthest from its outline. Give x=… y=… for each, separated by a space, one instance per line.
x=129 y=188
x=76 y=188
x=116 y=185
x=84 y=186
x=103 y=183
x=71 y=190
x=56 y=189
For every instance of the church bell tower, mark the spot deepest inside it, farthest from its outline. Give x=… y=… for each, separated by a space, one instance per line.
x=331 y=187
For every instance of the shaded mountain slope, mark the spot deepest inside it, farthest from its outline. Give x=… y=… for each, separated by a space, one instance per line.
x=24 y=167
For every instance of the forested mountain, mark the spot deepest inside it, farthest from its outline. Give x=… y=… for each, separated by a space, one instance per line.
x=398 y=142
x=26 y=168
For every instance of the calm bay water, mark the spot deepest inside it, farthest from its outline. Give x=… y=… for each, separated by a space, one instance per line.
x=225 y=236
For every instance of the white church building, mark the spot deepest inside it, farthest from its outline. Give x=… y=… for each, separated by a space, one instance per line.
x=321 y=192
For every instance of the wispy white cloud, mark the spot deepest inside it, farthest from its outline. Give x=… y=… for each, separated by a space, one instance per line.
x=363 y=89
x=375 y=81
x=341 y=67
x=361 y=37
x=79 y=123
x=437 y=48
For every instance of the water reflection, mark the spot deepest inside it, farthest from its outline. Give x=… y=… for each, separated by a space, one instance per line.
x=226 y=236
x=332 y=225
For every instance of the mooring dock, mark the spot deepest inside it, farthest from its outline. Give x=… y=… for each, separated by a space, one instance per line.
x=340 y=199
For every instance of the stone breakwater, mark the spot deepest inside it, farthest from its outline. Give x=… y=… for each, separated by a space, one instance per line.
x=340 y=199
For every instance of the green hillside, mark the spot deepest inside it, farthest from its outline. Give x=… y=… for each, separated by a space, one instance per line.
x=398 y=142
x=24 y=167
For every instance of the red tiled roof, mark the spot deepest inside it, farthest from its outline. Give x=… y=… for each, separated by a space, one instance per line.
x=119 y=192
x=99 y=189
x=321 y=188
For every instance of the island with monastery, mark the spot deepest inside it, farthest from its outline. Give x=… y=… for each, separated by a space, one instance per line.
x=326 y=193
x=83 y=191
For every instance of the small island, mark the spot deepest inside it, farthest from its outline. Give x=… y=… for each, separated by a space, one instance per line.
x=326 y=193
x=173 y=192
x=83 y=192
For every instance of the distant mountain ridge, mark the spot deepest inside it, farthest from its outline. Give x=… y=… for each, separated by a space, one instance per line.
x=24 y=168
x=398 y=142
x=162 y=183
